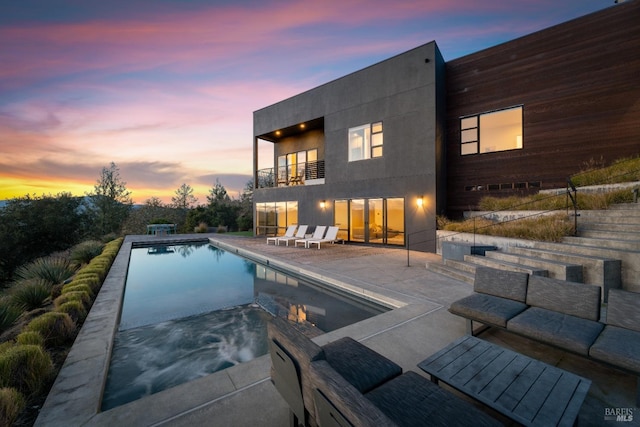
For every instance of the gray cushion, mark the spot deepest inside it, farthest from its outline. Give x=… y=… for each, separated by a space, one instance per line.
x=343 y=398
x=564 y=331
x=501 y=283
x=487 y=309
x=359 y=365
x=623 y=309
x=575 y=299
x=412 y=400
x=618 y=346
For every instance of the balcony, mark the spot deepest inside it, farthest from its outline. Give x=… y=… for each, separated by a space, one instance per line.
x=307 y=173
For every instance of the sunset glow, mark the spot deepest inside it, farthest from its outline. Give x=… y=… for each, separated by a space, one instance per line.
x=166 y=89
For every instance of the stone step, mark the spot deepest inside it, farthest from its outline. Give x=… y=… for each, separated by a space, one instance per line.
x=556 y=269
x=625 y=207
x=613 y=216
x=630 y=259
x=451 y=272
x=596 y=270
x=461 y=265
x=505 y=265
x=611 y=235
x=624 y=245
x=600 y=226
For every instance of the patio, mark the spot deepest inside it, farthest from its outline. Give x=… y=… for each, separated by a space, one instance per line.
x=420 y=326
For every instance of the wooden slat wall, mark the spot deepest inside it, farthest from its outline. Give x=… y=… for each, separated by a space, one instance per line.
x=579 y=83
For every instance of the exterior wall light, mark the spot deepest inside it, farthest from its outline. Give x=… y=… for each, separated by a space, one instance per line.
x=323 y=204
x=420 y=201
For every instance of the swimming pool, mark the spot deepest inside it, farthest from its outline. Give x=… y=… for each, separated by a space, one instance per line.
x=193 y=309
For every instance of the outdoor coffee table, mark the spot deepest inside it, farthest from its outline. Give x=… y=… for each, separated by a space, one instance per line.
x=526 y=390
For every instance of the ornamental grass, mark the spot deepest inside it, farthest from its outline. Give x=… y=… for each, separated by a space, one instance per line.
x=9 y=313
x=79 y=296
x=84 y=252
x=75 y=310
x=549 y=228
x=56 y=328
x=29 y=294
x=12 y=403
x=30 y=338
x=26 y=368
x=77 y=287
x=52 y=269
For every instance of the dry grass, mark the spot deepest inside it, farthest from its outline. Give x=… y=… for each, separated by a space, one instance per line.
x=550 y=228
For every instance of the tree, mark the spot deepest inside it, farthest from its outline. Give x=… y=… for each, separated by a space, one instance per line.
x=32 y=227
x=110 y=200
x=184 y=198
x=245 y=214
x=217 y=194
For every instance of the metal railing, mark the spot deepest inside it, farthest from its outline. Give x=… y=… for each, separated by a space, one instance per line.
x=296 y=174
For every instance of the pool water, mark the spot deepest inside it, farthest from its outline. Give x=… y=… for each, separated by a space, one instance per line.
x=192 y=310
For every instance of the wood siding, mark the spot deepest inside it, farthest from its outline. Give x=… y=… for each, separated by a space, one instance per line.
x=579 y=85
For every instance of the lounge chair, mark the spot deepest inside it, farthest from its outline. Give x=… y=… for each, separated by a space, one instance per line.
x=302 y=230
x=289 y=233
x=330 y=237
x=317 y=235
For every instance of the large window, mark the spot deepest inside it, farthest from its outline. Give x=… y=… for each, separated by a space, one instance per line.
x=491 y=132
x=295 y=168
x=365 y=142
x=371 y=220
x=274 y=217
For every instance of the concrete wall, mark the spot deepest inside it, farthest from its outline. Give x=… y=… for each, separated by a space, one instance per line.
x=403 y=92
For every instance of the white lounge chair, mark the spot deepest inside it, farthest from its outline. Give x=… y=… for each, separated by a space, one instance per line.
x=330 y=237
x=302 y=230
x=289 y=233
x=317 y=235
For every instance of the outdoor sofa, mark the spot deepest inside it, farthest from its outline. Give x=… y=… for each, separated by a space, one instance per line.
x=556 y=312
x=346 y=383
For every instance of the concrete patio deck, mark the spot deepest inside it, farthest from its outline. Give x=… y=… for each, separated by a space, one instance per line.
x=243 y=395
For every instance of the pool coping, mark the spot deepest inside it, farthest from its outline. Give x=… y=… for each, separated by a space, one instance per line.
x=76 y=395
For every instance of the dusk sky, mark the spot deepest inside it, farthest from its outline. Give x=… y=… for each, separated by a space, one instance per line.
x=166 y=89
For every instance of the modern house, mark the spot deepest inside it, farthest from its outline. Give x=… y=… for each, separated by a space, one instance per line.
x=382 y=151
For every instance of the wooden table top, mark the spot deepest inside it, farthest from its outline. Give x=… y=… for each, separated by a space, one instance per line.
x=526 y=390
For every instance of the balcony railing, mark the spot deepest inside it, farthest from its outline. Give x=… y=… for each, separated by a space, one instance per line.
x=295 y=174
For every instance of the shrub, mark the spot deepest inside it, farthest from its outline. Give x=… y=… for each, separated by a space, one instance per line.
x=9 y=313
x=84 y=252
x=99 y=271
x=92 y=282
x=80 y=296
x=30 y=294
x=77 y=287
x=25 y=367
x=75 y=310
x=12 y=403
x=30 y=338
x=56 y=328
x=52 y=269
x=201 y=228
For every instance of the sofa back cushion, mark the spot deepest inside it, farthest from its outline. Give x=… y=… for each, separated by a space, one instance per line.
x=623 y=309
x=576 y=299
x=505 y=284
